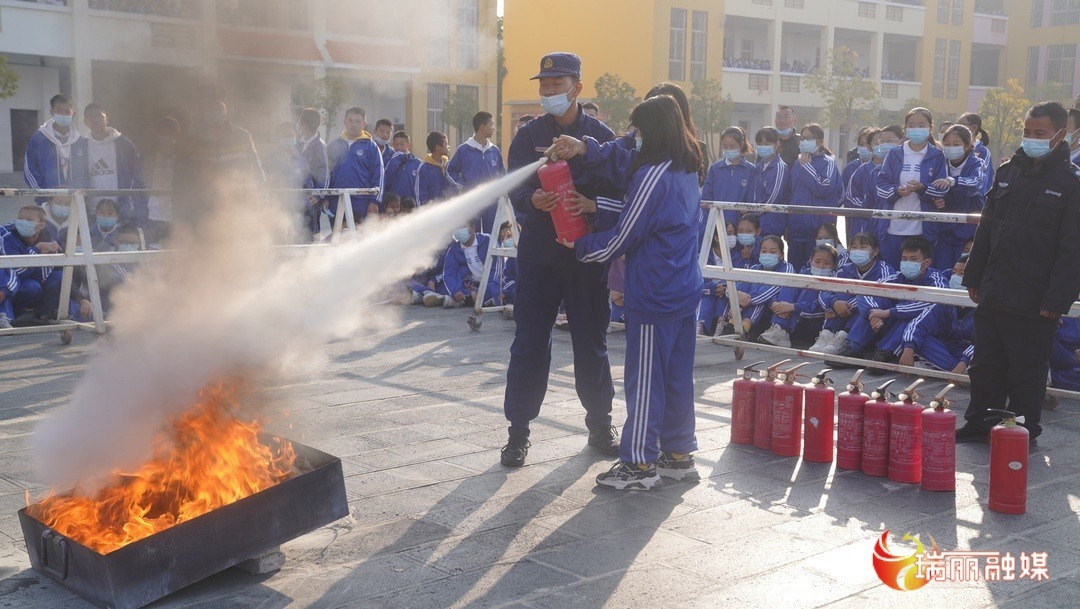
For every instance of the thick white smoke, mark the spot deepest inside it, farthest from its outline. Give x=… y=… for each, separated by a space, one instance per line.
x=231 y=303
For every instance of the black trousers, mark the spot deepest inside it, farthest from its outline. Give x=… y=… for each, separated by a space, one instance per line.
x=1008 y=370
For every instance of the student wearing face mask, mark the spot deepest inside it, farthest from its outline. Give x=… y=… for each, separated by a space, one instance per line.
x=384 y=130
x=815 y=182
x=756 y=298
x=463 y=269
x=48 y=154
x=906 y=181
x=1022 y=273
x=477 y=161
x=33 y=294
x=57 y=212
x=862 y=154
x=106 y=223
x=107 y=160
x=864 y=263
x=864 y=182
x=828 y=235
x=771 y=179
x=964 y=194
x=981 y=140
x=945 y=346
x=714 y=303
x=732 y=177
x=798 y=315
x=747 y=246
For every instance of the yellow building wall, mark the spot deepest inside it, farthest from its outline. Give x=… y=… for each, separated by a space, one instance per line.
x=1021 y=36
x=944 y=106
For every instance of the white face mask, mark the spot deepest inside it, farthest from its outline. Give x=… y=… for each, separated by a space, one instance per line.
x=731 y=241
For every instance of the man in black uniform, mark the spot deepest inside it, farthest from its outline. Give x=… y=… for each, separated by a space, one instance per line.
x=789 y=134
x=1023 y=273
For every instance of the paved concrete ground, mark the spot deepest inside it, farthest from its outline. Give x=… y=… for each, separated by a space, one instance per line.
x=436 y=522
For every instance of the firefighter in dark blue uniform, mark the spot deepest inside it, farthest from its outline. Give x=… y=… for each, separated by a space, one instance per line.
x=548 y=273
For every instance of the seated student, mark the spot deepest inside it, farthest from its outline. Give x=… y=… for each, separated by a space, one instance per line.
x=864 y=263
x=103 y=232
x=714 y=302
x=508 y=268
x=798 y=315
x=463 y=270
x=432 y=181
x=964 y=186
x=426 y=287
x=57 y=212
x=828 y=235
x=110 y=276
x=756 y=298
x=34 y=293
x=942 y=341
x=882 y=320
x=391 y=205
x=1065 y=355
x=748 y=236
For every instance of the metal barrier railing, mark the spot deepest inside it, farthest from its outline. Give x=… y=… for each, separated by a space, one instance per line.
x=78 y=231
x=725 y=272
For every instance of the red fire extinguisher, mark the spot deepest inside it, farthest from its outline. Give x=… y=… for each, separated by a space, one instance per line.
x=939 y=444
x=1008 y=464
x=849 y=409
x=875 y=447
x=818 y=427
x=556 y=177
x=905 y=437
x=743 y=395
x=763 y=394
x=787 y=410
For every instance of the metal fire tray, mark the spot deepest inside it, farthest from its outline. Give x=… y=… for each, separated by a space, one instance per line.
x=156 y=566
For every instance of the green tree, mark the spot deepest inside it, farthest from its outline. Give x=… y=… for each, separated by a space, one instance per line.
x=616 y=99
x=9 y=79
x=327 y=94
x=458 y=111
x=1002 y=111
x=711 y=110
x=849 y=95
x=1050 y=91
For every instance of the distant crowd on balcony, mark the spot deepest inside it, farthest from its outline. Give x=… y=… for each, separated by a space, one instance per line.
x=747 y=64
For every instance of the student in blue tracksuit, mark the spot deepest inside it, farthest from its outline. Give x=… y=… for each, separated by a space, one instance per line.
x=463 y=269
x=714 y=302
x=944 y=346
x=106 y=222
x=798 y=315
x=981 y=138
x=907 y=180
x=432 y=181
x=827 y=234
x=864 y=264
x=34 y=290
x=864 y=183
x=657 y=231
x=507 y=270
x=862 y=149
x=383 y=134
x=772 y=179
x=755 y=299
x=402 y=168
x=815 y=182
x=355 y=162
x=748 y=242
x=882 y=321
x=477 y=161
x=964 y=186
x=549 y=274
x=1065 y=356
x=732 y=177
x=57 y=213
x=47 y=163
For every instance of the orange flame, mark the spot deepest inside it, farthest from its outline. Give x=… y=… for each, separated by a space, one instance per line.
x=208 y=459
x=899 y=572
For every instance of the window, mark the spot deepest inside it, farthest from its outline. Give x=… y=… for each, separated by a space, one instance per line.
x=890 y=90
x=942 y=11
x=468 y=34
x=1036 y=13
x=793 y=4
x=699 y=45
x=677 y=46
x=789 y=84
x=894 y=13
x=867 y=10
x=958 y=12
x=1061 y=63
x=1064 y=12
x=439 y=35
x=747 y=51
x=436 y=100
x=1033 y=66
x=954 y=69
x=997 y=26
x=939 y=68
x=758 y=82
x=298 y=15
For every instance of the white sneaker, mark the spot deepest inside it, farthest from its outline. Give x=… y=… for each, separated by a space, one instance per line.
x=449 y=303
x=776 y=335
x=837 y=345
x=417 y=297
x=701 y=329
x=432 y=299
x=823 y=339
x=5 y=323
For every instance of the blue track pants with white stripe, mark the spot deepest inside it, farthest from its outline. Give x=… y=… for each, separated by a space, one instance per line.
x=659 y=381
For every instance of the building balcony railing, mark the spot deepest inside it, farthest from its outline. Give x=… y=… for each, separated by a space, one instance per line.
x=175 y=9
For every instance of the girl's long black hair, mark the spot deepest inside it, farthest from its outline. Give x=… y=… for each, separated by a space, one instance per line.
x=665 y=136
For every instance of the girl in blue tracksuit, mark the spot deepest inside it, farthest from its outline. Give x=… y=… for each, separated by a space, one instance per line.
x=815 y=182
x=657 y=231
x=906 y=182
x=827 y=234
x=974 y=124
x=755 y=299
x=862 y=148
x=747 y=242
x=772 y=179
x=1065 y=355
x=864 y=182
x=965 y=195
x=798 y=315
x=732 y=177
x=864 y=264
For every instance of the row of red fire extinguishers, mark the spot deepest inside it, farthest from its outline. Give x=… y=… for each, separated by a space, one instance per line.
x=904 y=440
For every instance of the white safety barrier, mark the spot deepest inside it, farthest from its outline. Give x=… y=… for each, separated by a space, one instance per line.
x=503 y=213
x=725 y=272
x=78 y=231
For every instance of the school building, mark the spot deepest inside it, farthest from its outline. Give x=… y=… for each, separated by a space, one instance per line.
x=946 y=53
x=399 y=59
